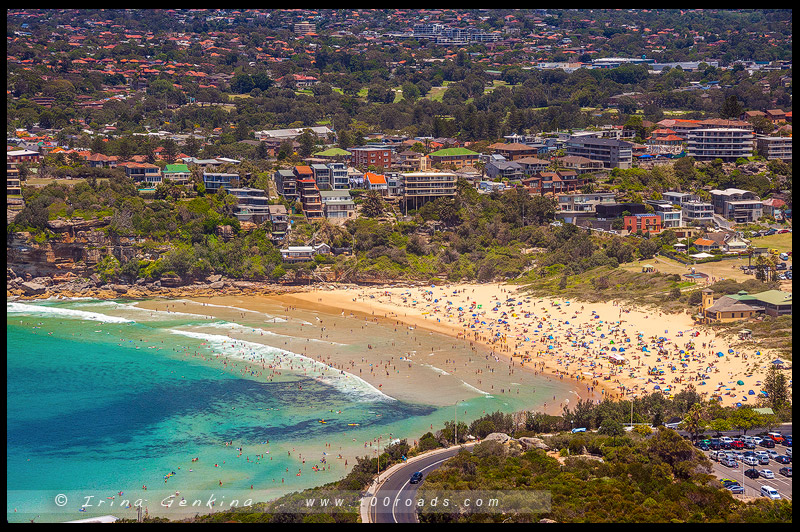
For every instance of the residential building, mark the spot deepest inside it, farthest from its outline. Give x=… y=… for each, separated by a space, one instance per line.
x=310 y=198
x=99 y=160
x=454 y=157
x=534 y=165
x=646 y=223
x=339 y=178
x=706 y=245
x=216 y=180
x=420 y=187
x=512 y=151
x=773 y=207
x=553 y=182
x=292 y=133
x=177 y=173
x=366 y=156
x=678 y=198
x=615 y=210
x=581 y=165
x=728 y=144
x=670 y=216
x=337 y=204
x=252 y=204
x=279 y=218
x=23 y=156
x=697 y=212
x=735 y=204
x=612 y=153
x=286 y=183
x=504 y=170
x=147 y=173
x=572 y=206
x=376 y=182
x=773 y=148
x=322 y=175
x=297 y=254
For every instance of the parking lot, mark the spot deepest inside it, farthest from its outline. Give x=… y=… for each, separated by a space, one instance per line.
x=752 y=487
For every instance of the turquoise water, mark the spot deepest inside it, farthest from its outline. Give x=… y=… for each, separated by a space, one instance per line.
x=104 y=399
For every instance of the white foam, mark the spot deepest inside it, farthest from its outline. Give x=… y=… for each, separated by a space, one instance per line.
x=474 y=389
x=244 y=328
x=57 y=312
x=434 y=368
x=300 y=364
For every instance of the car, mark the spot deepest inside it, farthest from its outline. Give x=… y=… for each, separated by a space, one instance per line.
x=416 y=478
x=763 y=459
x=735 y=488
x=775 y=436
x=725 y=439
x=781 y=277
x=780 y=266
x=757 y=440
x=751 y=473
x=730 y=462
x=783 y=459
x=766 y=473
x=736 y=444
x=750 y=460
x=725 y=445
x=727 y=481
x=749 y=445
x=767 y=443
x=789 y=275
x=769 y=491
x=782 y=231
x=788 y=452
x=772 y=454
x=785 y=471
x=703 y=447
x=749 y=453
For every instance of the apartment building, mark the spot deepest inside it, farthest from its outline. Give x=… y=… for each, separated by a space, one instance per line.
x=421 y=187
x=365 y=156
x=581 y=165
x=774 y=148
x=728 y=144
x=455 y=157
x=322 y=175
x=572 y=206
x=611 y=152
x=670 y=216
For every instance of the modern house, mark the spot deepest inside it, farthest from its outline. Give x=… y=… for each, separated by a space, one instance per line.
x=286 y=183
x=774 y=148
x=337 y=204
x=510 y=170
x=376 y=182
x=147 y=173
x=215 y=181
x=310 y=198
x=421 y=187
x=279 y=218
x=697 y=212
x=646 y=223
x=252 y=204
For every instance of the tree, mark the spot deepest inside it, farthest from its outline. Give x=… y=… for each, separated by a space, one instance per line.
x=373 y=204
x=308 y=141
x=693 y=422
x=732 y=108
x=777 y=388
x=745 y=419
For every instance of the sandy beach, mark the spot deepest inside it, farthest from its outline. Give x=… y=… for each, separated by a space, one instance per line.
x=617 y=350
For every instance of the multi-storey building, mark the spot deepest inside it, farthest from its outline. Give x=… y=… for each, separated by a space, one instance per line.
x=728 y=144
x=612 y=153
x=647 y=223
x=455 y=157
x=252 y=204
x=214 y=181
x=365 y=156
x=420 y=187
x=697 y=212
x=338 y=204
x=322 y=175
x=737 y=204
x=286 y=183
x=147 y=173
x=310 y=198
x=773 y=148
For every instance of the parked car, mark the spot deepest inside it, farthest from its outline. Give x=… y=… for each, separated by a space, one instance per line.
x=763 y=459
x=783 y=459
x=750 y=460
x=757 y=440
x=767 y=443
x=772 y=454
x=785 y=471
x=766 y=473
x=735 y=488
x=737 y=444
x=751 y=473
x=749 y=445
x=769 y=491
x=789 y=275
x=730 y=462
x=788 y=452
x=725 y=439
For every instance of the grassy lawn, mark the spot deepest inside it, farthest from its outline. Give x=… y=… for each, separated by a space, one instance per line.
x=782 y=242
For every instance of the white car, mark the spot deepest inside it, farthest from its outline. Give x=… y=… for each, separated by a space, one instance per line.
x=769 y=491
x=757 y=440
x=750 y=460
x=766 y=473
x=773 y=454
x=726 y=439
x=789 y=452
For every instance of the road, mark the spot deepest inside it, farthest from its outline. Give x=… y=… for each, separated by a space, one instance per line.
x=388 y=505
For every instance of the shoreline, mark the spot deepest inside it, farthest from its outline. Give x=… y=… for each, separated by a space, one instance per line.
x=376 y=302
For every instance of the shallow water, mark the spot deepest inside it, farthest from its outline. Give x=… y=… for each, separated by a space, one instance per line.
x=111 y=396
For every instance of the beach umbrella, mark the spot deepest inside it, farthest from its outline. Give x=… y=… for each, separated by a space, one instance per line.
x=777 y=361
x=656 y=387
x=621 y=349
x=730 y=350
x=740 y=383
x=738 y=404
x=750 y=392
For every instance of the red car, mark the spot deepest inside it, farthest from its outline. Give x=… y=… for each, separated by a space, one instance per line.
x=736 y=444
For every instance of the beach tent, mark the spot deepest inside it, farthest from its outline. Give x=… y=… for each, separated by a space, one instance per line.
x=740 y=383
x=701 y=255
x=777 y=362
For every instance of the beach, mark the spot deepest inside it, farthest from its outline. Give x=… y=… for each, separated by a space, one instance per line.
x=618 y=350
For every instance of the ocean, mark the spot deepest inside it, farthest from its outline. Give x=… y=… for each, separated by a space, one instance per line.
x=113 y=405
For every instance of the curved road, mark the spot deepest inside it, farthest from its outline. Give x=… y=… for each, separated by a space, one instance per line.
x=389 y=499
